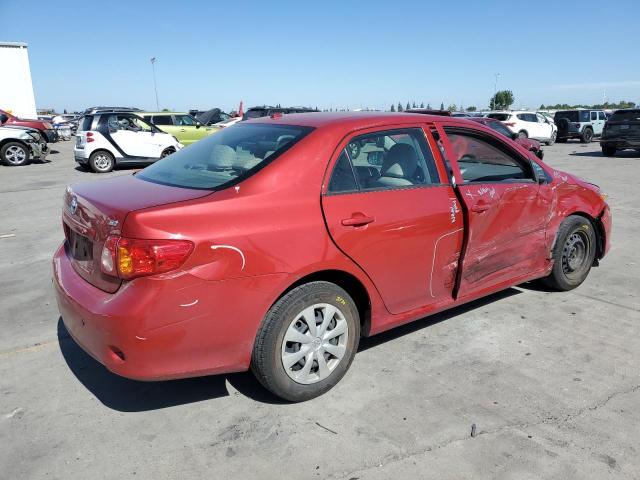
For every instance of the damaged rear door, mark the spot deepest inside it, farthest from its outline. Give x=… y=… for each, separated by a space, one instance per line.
x=506 y=212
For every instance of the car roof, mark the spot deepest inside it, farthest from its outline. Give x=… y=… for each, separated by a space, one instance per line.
x=354 y=120
x=162 y=113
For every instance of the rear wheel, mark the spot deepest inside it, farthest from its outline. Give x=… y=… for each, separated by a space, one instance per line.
x=608 y=151
x=573 y=254
x=14 y=154
x=587 y=135
x=101 y=161
x=307 y=341
x=552 y=140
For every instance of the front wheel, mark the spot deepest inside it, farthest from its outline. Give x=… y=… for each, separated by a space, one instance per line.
x=14 y=154
x=573 y=254
x=307 y=341
x=587 y=135
x=167 y=151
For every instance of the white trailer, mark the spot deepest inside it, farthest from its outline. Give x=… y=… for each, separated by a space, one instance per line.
x=16 y=89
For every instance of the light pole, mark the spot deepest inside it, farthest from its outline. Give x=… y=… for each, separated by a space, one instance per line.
x=155 y=87
x=495 y=91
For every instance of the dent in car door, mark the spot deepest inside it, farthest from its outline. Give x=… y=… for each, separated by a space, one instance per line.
x=406 y=237
x=507 y=212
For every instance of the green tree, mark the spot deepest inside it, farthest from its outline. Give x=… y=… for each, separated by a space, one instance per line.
x=422 y=105
x=428 y=106
x=471 y=109
x=452 y=107
x=400 y=107
x=542 y=107
x=408 y=106
x=393 y=108
x=413 y=105
x=502 y=100
x=442 y=106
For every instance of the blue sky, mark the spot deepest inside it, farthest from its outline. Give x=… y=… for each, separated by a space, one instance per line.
x=338 y=54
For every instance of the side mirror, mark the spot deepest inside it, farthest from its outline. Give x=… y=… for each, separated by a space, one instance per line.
x=375 y=158
x=514 y=136
x=198 y=124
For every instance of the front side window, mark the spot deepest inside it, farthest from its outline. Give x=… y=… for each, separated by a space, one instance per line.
x=601 y=116
x=184 y=120
x=503 y=117
x=392 y=159
x=480 y=160
x=225 y=158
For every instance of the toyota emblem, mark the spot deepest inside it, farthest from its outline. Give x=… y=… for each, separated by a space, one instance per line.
x=73 y=205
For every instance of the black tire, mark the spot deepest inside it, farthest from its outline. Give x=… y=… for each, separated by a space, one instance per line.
x=561 y=140
x=552 y=140
x=586 y=136
x=573 y=254
x=101 y=161
x=14 y=154
x=608 y=151
x=167 y=151
x=523 y=134
x=268 y=350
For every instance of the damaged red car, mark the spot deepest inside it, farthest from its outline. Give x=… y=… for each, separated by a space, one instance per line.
x=276 y=244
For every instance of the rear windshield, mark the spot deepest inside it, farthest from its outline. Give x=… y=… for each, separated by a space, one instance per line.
x=85 y=124
x=626 y=116
x=572 y=116
x=500 y=116
x=224 y=158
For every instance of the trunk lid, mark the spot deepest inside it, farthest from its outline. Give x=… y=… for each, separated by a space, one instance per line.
x=94 y=210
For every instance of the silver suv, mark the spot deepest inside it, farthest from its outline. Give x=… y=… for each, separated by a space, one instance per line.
x=579 y=123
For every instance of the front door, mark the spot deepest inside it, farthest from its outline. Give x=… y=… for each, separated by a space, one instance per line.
x=132 y=137
x=388 y=208
x=508 y=211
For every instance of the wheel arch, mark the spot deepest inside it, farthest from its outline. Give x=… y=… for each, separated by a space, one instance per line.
x=598 y=228
x=347 y=281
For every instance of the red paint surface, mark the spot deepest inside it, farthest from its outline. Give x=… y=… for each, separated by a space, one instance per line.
x=417 y=257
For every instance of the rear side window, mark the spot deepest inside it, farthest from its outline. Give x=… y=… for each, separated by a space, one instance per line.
x=342 y=178
x=626 y=116
x=85 y=124
x=162 y=120
x=392 y=159
x=481 y=161
x=225 y=158
x=572 y=116
x=500 y=116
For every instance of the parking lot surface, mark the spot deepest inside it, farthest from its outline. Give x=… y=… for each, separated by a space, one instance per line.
x=551 y=381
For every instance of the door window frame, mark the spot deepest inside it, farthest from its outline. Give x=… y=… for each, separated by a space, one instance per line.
x=342 y=146
x=493 y=141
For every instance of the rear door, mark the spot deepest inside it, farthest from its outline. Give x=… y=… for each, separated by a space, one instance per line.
x=389 y=207
x=507 y=211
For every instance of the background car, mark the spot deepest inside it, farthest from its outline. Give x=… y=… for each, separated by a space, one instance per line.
x=621 y=132
x=267 y=111
x=179 y=124
x=18 y=145
x=528 y=143
x=527 y=124
x=579 y=123
x=45 y=128
x=105 y=140
x=210 y=117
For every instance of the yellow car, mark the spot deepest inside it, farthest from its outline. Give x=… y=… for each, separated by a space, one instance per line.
x=181 y=125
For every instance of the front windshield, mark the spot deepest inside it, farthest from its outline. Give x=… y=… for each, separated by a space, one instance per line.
x=224 y=158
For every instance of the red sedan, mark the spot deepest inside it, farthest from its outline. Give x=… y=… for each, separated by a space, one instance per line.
x=277 y=243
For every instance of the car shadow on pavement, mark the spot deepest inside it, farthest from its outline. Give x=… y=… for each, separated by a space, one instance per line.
x=618 y=155
x=125 y=395
x=369 y=342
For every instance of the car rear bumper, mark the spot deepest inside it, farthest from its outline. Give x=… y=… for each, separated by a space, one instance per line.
x=620 y=143
x=157 y=329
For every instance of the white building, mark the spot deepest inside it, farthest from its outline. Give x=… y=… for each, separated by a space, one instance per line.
x=16 y=89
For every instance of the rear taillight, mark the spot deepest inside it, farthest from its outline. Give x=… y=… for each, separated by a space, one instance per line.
x=129 y=258
x=90 y=137
x=577 y=125
x=510 y=124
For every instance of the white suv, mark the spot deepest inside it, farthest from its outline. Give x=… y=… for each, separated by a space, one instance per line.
x=105 y=140
x=528 y=124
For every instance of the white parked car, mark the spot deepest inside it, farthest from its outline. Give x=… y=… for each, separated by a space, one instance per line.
x=104 y=140
x=528 y=125
x=18 y=145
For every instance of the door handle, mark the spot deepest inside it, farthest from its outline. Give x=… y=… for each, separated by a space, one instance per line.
x=480 y=207
x=182 y=130
x=357 y=220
